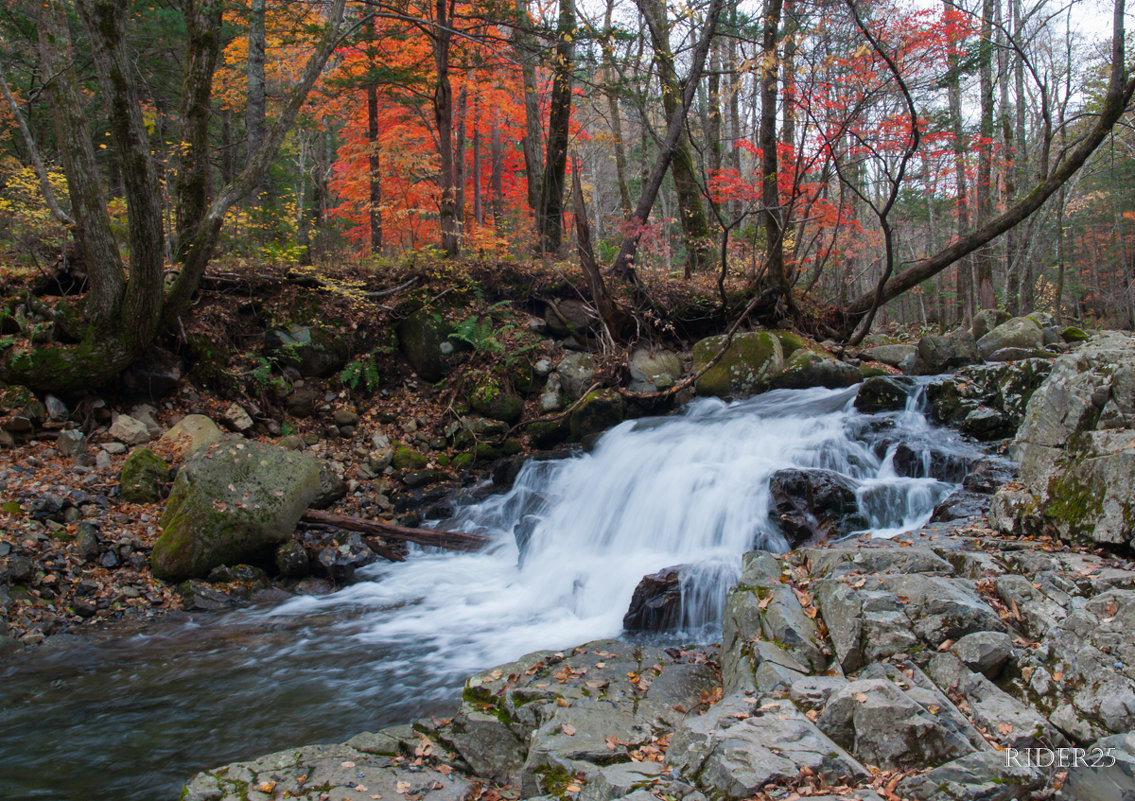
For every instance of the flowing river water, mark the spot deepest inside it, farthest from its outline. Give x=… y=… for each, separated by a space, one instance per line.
x=132 y=718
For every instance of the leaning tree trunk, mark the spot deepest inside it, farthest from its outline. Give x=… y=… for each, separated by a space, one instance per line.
x=623 y=266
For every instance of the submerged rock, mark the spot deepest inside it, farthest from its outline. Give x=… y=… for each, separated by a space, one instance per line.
x=814 y=505
x=657 y=601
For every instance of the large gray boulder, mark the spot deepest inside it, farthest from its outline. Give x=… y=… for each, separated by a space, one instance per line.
x=747 y=366
x=1019 y=332
x=231 y=502
x=653 y=370
x=576 y=371
x=937 y=354
x=900 y=356
x=1076 y=449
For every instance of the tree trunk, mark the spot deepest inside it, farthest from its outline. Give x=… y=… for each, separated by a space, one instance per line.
x=257 y=88
x=623 y=265
x=92 y=229
x=983 y=259
x=965 y=283
x=611 y=90
x=203 y=47
x=374 y=167
x=549 y=220
x=772 y=215
x=496 y=179
x=526 y=50
x=478 y=211
x=443 y=116
x=460 y=137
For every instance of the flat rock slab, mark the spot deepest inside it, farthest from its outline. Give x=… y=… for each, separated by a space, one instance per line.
x=318 y=772
x=551 y=714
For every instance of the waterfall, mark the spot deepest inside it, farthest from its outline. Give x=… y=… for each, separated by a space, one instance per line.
x=573 y=537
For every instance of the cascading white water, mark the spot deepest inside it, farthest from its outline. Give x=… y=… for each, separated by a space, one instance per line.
x=685 y=489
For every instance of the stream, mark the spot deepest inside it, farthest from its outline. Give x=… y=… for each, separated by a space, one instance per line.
x=133 y=718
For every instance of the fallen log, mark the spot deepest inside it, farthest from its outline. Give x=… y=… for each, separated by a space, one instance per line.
x=451 y=540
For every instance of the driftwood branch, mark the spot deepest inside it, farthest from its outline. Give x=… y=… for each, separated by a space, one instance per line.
x=450 y=540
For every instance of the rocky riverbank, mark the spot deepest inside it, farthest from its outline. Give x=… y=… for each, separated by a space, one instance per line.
x=906 y=668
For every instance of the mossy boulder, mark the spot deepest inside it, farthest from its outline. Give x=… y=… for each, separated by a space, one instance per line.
x=420 y=339
x=408 y=459
x=598 y=411
x=746 y=367
x=142 y=475
x=807 y=368
x=232 y=502
x=546 y=434
x=312 y=350
x=1074 y=334
x=790 y=342
x=490 y=400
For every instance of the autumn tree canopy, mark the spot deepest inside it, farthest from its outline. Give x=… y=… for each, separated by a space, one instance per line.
x=844 y=160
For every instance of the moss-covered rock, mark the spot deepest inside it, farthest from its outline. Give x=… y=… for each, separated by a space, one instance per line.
x=232 y=502
x=598 y=411
x=748 y=365
x=1074 y=334
x=490 y=400
x=408 y=459
x=807 y=368
x=142 y=475
x=546 y=434
x=790 y=342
